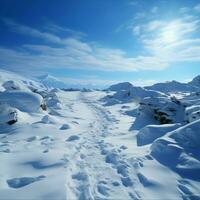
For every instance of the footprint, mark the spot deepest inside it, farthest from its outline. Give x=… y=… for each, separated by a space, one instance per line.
x=103 y=189
x=126 y=181
x=80 y=176
x=33 y=138
x=65 y=127
x=23 y=181
x=123 y=147
x=72 y=138
x=122 y=169
x=115 y=183
x=111 y=158
x=46 y=138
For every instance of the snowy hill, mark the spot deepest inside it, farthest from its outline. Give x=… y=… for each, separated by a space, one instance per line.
x=195 y=82
x=126 y=92
x=9 y=79
x=123 y=143
x=172 y=87
x=175 y=86
x=120 y=86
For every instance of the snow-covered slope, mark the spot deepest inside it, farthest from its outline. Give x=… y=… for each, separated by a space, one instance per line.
x=125 y=143
x=180 y=149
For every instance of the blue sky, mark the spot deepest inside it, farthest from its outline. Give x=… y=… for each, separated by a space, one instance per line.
x=100 y=42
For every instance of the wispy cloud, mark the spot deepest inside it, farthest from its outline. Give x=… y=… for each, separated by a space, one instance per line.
x=70 y=52
x=29 y=31
x=56 y=29
x=197 y=7
x=171 y=41
x=136 y=30
x=140 y=15
x=154 y=9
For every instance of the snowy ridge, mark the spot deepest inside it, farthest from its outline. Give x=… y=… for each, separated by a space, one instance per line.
x=123 y=143
x=50 y=81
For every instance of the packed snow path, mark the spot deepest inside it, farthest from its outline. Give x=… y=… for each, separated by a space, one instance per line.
x=93 y=171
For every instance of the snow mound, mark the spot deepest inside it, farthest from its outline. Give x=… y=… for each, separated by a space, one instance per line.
x=13 y=81
x=47 y=119
x=180 y=150
x=188 y=136
x=7 y=114
x=52 y=100
x=130 y=94
x=163 y=109
x=11 y=85
x=24 y=101
x=151 y=132
x=192 y=113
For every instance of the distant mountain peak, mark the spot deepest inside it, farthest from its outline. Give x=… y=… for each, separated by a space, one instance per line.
x=51 y=81
x=195 y=81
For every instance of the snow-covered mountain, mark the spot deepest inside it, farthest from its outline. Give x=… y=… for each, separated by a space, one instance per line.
x=126 y=142
x=195 y=82
x=120 y=86
x=51 y=81
x=172 y=87
x=175 y=86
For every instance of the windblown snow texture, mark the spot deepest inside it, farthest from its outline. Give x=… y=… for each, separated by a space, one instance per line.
x=125 y=142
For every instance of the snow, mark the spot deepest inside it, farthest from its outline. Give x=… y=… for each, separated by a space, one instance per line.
x=129 y=94
x=24 y=101
x=120 y=86
x=150 y=133
x=50 y=81
x=11 y=85
x=173 y=87
x=126 y=143
x=7 y=114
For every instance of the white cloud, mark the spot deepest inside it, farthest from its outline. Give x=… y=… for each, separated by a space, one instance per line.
x=28 y=31
x=140 y=15
x=154 y=9
x=136 y=30
x=56 y=29
x=197 y=8
x=71 y=53
x=184 y=10
x=154 y=25
x=133 y=2
x=173 y=41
